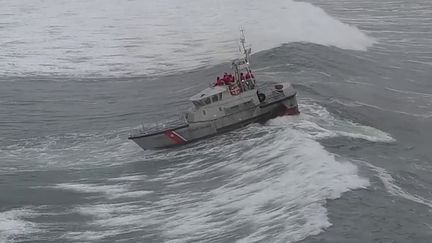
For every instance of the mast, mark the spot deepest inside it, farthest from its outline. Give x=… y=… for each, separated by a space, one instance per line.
x=242 y=64
x=245 y=51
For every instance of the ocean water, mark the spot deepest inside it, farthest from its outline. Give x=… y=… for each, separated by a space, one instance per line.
x=77 y=76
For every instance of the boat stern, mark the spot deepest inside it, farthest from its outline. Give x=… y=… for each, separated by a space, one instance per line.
x=290 y=104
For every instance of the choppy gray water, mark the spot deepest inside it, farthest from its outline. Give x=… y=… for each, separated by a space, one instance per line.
x=76 y=77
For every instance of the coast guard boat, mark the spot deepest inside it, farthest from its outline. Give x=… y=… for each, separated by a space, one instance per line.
x=223 y=107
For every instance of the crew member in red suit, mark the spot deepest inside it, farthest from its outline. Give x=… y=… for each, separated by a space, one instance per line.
x=219 y=82
x=229 y=79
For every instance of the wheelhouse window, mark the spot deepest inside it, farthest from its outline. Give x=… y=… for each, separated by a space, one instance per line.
x=215 y=98
x=198 y=103
x=207 y=101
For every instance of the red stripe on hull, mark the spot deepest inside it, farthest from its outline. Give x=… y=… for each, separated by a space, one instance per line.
x=291 y=111
x=175 y=137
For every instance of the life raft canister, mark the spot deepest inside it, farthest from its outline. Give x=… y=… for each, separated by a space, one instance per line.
x=261 y=97
x=234 y=89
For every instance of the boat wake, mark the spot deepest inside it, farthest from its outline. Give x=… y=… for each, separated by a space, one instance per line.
x=318 y=123
x=391 y=186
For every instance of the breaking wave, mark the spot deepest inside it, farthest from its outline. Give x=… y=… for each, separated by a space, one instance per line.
x=271 y=183
x=112 y=43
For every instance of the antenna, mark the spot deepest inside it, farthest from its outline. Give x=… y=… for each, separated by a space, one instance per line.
x=244 y=51
x=243 y=40
x=242 y=36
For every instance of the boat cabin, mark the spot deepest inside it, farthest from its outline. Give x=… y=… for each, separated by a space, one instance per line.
x=218 y=101
x=221 y=100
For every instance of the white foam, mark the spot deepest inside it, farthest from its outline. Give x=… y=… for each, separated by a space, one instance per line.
x=391 y=186
x=110 y=191
x=112 y=38
x=102 y=149
x=89 y=235
x=318 y=123
x=426 y=115
x=423 y=95
x=276 y=182
x=116 y=216
x=111 y=219
x=130 y=178
x=13 y=224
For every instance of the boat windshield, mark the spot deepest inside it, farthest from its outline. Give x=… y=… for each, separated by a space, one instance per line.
x=207 y=101
x=198 y=103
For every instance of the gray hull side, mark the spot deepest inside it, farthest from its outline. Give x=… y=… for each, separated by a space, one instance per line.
x=195 y=131
x=180 y=136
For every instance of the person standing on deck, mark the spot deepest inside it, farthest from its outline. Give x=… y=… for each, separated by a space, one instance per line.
x=219 y=82
x=229 y=79
x=225 y=77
